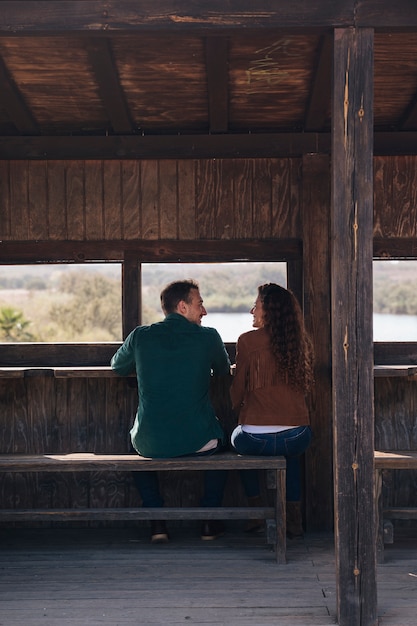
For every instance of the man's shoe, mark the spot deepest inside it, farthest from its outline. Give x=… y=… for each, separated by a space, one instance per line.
x=212 y=530
x=294 y=520
x=159 y=533
x=255 y=525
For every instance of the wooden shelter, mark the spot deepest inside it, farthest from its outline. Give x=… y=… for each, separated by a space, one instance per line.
x=136 y=131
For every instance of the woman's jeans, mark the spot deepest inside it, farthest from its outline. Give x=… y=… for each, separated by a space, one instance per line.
x=290 y=443
x=147 y=484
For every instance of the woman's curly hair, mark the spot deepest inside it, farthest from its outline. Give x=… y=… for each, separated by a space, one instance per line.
x=291 y=345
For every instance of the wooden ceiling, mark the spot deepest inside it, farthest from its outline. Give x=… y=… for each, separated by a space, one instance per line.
x=163 y=80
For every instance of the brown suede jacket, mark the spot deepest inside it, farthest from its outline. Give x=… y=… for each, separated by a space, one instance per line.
x=259 y=393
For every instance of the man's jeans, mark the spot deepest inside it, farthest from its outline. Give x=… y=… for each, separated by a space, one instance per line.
x=290 y=443
x=147 y=484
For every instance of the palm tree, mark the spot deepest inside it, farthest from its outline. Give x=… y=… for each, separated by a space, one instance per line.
x=13 y=325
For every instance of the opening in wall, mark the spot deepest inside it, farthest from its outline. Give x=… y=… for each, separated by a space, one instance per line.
x=228 y=290
x=395 y=300
x=58 y=303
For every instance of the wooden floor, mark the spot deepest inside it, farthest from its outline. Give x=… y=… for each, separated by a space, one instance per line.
x=115 y=577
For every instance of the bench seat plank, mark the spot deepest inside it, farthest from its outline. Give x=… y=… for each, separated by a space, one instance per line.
x=105 y=371
x=396 y=459
x=80 y=462
x=95 y=371
x=91 y=462
x=390 y=460
x=137 y=513
x=389 y=371
x=397 y=512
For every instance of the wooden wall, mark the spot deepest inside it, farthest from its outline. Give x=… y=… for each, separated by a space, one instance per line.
x=151 y=200
x=395 y=197
x=47 y=414
x=101 y=202
x=395 y=216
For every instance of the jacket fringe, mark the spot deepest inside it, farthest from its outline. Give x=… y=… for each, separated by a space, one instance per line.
x=263 y=371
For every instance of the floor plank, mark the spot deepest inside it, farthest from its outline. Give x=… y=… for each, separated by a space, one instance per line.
x=116 y=577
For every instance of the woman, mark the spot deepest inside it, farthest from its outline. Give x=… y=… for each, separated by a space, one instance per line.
x=274 y=371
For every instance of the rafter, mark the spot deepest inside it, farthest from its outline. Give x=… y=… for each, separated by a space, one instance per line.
x=316 y=114
x=104 y=68
x=12 y=102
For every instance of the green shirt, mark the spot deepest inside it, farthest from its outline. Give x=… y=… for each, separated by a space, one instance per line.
x=174 y=360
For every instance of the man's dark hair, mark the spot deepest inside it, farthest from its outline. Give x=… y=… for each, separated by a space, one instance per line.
x=176 y=291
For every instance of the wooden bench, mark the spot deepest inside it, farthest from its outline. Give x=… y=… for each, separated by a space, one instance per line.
x=88 y=462
x=390 y=460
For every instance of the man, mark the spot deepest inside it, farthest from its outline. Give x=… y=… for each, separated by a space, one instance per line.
x=174 y=360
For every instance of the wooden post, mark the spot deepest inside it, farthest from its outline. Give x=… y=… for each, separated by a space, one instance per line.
x=131 y=294
x=352 y=342
x=316 y=257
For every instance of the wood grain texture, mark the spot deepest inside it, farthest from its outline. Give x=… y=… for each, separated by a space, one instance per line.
x=38 y=226
x=316 y=267
x=169 y=199
x=19 y=201
x=57 y=200
x=351 y=322
x=75 y=194
x=94 y=200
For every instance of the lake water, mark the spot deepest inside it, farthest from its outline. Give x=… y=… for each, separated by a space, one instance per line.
x=395 y=327
x=386 y=327
x=229 y=325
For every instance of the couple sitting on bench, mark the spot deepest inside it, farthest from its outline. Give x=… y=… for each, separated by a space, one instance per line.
x=174 y=360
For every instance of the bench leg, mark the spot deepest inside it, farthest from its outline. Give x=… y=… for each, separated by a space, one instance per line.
x=276 y=480
x=379 y=517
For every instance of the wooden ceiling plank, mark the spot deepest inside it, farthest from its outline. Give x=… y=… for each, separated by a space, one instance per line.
x=316 y=115
x=13 y=103
x=217 y=83
x=104 y=68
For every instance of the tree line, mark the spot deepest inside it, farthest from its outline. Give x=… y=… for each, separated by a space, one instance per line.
x=82 y=305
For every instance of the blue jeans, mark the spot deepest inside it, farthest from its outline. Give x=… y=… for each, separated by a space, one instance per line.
x=147 y=484
x=290 y=443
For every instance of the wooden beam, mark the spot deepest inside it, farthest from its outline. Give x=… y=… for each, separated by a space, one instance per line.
x=316 y=269
x=25 y=16
x=254 y=145
x=410 y=118
x=217 y=83
x=102 y=62
x=395 y=248
x=131 y=293
x=12 y=102
x=351 y=311
x=150 y=251
x=164 y=147
x=390 y=143
x=317 y=112
x=386 y=14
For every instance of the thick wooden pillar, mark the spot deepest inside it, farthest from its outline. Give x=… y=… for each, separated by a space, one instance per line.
x=352 y=342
